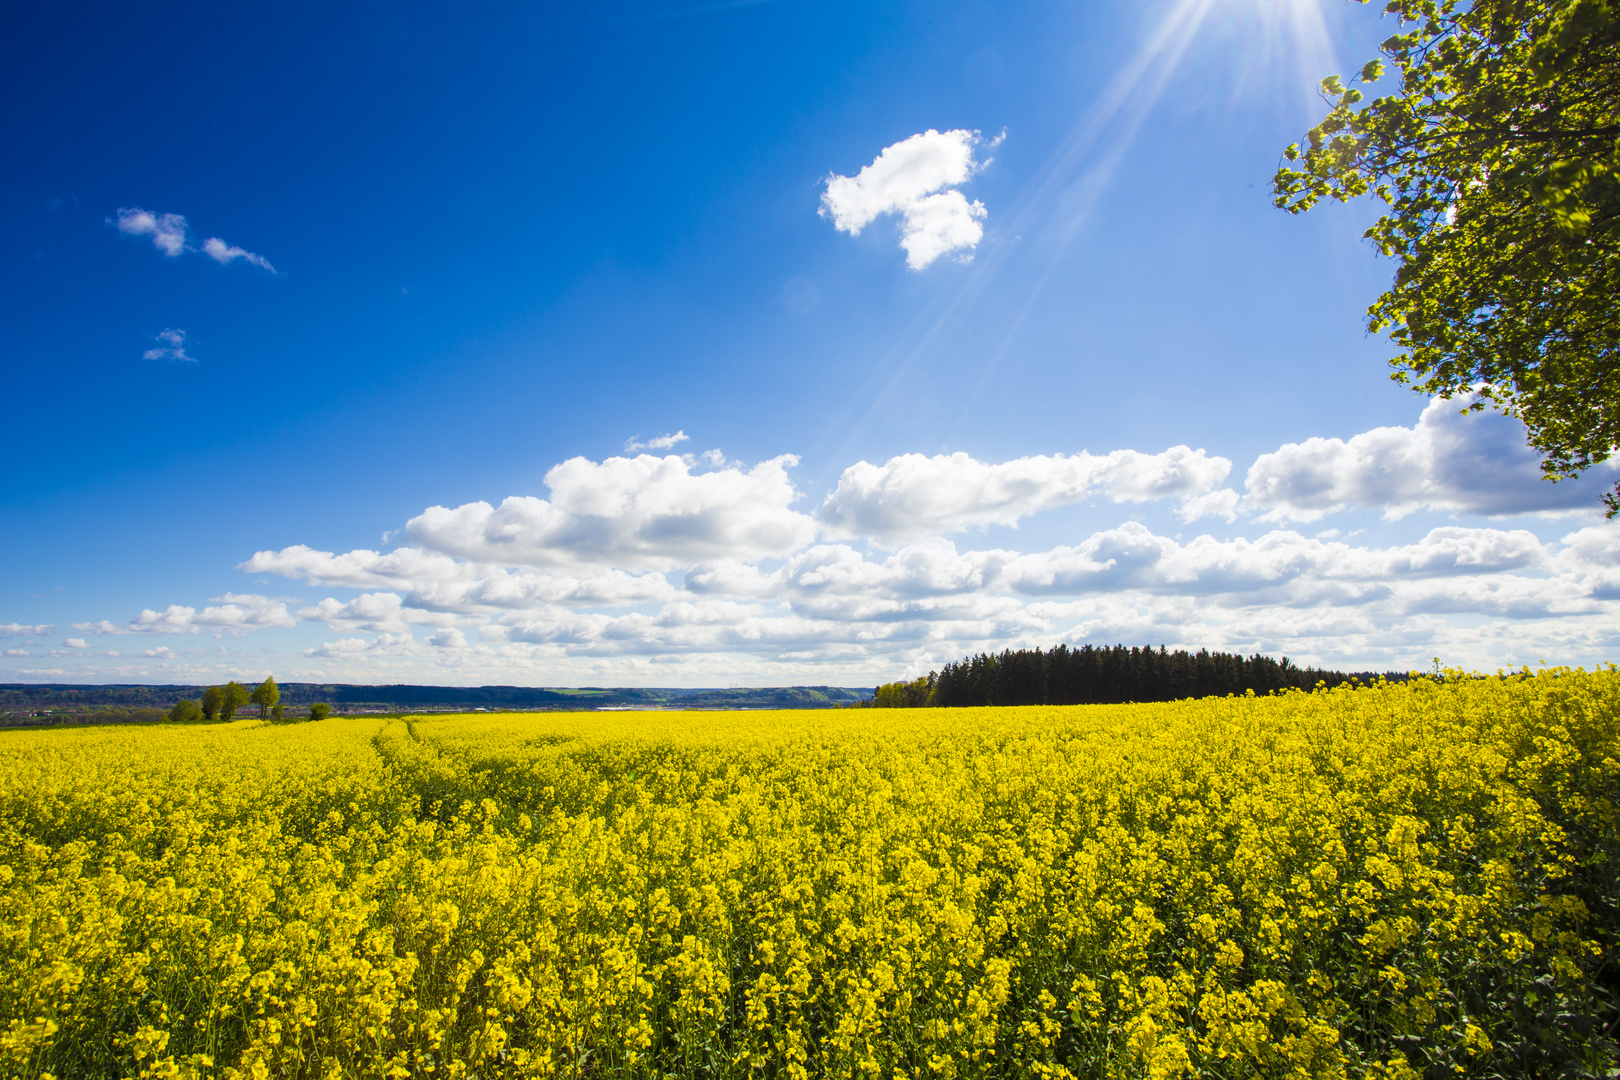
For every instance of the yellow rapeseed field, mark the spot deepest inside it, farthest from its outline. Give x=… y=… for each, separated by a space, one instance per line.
x=1400 y=880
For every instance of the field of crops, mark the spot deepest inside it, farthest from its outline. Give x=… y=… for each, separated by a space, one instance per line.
x=1352 y=883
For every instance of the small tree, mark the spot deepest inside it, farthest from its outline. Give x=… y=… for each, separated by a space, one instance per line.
x=278 y=712
x=185 y=711
x=320 y=711
x=902 y=695
x=213 y=700
x=233 y=696
x=266 y=696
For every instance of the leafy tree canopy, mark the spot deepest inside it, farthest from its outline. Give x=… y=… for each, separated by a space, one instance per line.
x=234 y=695
x=212 y=700
x=266 y=696
x=1498 y=159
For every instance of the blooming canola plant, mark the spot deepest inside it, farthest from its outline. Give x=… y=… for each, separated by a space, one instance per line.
x=1379 y=881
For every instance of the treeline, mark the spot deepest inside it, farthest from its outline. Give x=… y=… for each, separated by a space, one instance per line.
x=220 y=703
x=1104 y=676
x=58 y=697
x=216 y=704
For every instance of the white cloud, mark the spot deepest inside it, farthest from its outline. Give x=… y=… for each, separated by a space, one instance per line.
x=360 y=569
x=378 y=612
x=17 y=652
x=168 y=234
x=221 y=252
x=448 y=638
x=100 y=627
x=439 y=583
x=168 y=231
x=173 y=347
x=913 y=496
x=521 y=589
x=13 y=629
x=1479 y=463
x=387 y=645
x=915 y=178
x=76 y=643
x=661 y=442
x=1223 y=503
x=642 y=513
x=654 y=570
x=1132 y=557
x=233 y=613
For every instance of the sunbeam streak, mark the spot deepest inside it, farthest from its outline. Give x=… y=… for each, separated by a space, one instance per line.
x=1064 y=192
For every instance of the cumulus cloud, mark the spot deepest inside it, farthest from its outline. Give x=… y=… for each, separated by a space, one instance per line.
x=1279 y=591
x=915 y=178
x=379 y=611
x=912 y=496
x=168 y=235
x=359 y=569
x=661 y=442
x=1478 y=463
x=640 y=513
x=224 y=253
x=448 y=638
x=172 y=347
x=233 y=613
x=384 y=645
x=1132 y=557
x=167 y=231
x=654 y=570
x=518 y=589
x=15 y=629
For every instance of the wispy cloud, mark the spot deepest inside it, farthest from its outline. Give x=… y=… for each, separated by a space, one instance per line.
x=168 y=233
x=661 y=442
x=221 y=252
x=173 y=347
x=915 y=178
x=16 y=629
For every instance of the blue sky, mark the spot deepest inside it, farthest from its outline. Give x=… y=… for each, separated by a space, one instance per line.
x=444 y=257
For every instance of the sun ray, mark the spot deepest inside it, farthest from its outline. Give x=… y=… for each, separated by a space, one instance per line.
x=1285 y=41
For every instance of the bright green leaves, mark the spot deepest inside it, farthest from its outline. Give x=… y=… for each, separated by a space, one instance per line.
x=1498 y=160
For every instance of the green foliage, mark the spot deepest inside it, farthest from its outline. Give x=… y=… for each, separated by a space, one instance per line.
x=185 y=711
x=233 y=695
x=320 y=711
x=1498 y=158
x=902 y=695
x=213 y=700
x=266 y=696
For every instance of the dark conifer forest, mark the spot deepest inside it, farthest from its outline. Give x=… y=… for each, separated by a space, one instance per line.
x=1107 y=675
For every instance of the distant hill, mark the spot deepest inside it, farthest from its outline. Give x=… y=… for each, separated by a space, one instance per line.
x=22 y=701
